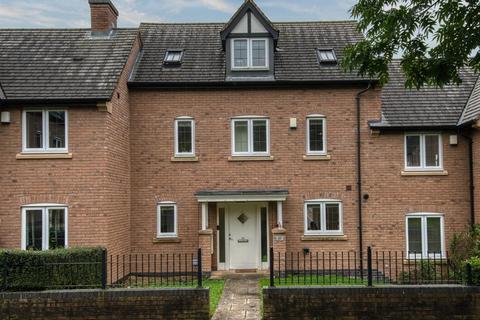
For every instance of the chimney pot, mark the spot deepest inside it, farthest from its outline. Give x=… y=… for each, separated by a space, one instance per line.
x=104 y=16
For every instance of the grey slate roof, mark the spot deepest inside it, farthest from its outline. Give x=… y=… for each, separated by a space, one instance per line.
x=204 y=58
x=472 y=109
x=427 y=107
x=53 y=64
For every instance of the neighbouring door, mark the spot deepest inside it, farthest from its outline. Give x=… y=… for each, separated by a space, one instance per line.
x=242 y=237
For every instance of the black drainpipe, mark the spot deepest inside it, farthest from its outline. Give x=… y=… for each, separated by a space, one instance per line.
x=359 y=177
x=471 y=180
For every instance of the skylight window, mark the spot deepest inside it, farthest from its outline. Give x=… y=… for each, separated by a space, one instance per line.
x=326 y=56
x=173 y=57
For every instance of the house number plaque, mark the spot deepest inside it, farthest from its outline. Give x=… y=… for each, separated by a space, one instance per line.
x=279 y=237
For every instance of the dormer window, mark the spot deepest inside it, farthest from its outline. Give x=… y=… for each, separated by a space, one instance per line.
x=173 y=57
x=326 y=56
x=250 y=53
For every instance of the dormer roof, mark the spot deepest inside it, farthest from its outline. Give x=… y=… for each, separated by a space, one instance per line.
x=249 y=7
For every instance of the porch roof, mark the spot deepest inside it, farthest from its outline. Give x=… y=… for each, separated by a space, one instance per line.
x=242 y=195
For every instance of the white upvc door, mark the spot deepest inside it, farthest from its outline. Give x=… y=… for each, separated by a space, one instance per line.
x=243 y=236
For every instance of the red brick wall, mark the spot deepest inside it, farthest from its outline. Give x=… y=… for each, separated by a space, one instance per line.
x=392 y=196
x=94 y=184
x=155 y=177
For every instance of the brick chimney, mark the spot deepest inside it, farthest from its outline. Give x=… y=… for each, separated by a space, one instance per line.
x=104 y=16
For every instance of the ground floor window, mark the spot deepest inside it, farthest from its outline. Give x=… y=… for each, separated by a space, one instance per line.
x=323 y=217
x=44 y=227
x=425 y=235
x=166 y=219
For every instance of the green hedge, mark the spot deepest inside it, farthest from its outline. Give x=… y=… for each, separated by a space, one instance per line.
x=55 y=269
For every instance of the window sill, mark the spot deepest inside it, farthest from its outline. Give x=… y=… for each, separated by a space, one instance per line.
x=167 y=240
x=239 y=69
x=430 y=260
x=33 y=156
x=251 y=158
x=312 y=157
x=424 y=173
x=324 y=238
x=184 y=159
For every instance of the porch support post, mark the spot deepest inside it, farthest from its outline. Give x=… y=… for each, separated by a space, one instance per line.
x=205 y=242
x=279 y=214
x=204 y=215
x=279 y=249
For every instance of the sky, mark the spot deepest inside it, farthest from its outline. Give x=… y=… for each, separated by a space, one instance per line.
x=76 y=14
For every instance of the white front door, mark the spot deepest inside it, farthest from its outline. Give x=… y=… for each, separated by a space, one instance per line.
x=242 y=236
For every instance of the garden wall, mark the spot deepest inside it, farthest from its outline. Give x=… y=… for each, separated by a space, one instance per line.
x=109 y=304
x=399 y=302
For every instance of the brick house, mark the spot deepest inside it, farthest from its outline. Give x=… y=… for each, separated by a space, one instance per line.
x=233 y=137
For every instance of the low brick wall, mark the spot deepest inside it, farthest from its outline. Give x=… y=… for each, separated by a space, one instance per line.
x=399 y=302
x=109 y=304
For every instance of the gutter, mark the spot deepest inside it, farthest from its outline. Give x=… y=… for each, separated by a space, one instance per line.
x=359 y=175
x=243 y=84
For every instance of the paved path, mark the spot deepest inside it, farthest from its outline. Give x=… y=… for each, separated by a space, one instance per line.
x=240 y=299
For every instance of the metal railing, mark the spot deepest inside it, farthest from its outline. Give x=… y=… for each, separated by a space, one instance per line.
x=372 y=268
x=155 y=270
x=114 y=271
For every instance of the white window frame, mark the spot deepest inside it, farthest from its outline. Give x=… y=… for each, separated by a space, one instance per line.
x=249 y=65
x=184 y=154
x=324 y=119
x=45 y=132
x=250 y=152
x=424 y=254
x=323 y=231
x=423 y=166
x=175 y=219
x=44 y=207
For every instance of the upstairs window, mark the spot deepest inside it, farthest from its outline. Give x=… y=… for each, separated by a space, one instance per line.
x=166 y=219
x=45 y=130
x=326 y=56
x=323 y=217
x=173 y=57
x=249 y=53
x=423 y=151
x=250 y=137
x=184 y=137
x=44 y=227
x=316 y=135
x=425 y=235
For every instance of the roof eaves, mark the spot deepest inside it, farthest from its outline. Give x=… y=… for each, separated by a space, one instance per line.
x=384 y=126
x=243 y=84
x=58 y=101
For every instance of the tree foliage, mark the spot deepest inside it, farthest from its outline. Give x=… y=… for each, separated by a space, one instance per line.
x=434 y=39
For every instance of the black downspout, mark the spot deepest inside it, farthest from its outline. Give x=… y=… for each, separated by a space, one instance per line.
x=471 y=180
x=359 y=178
